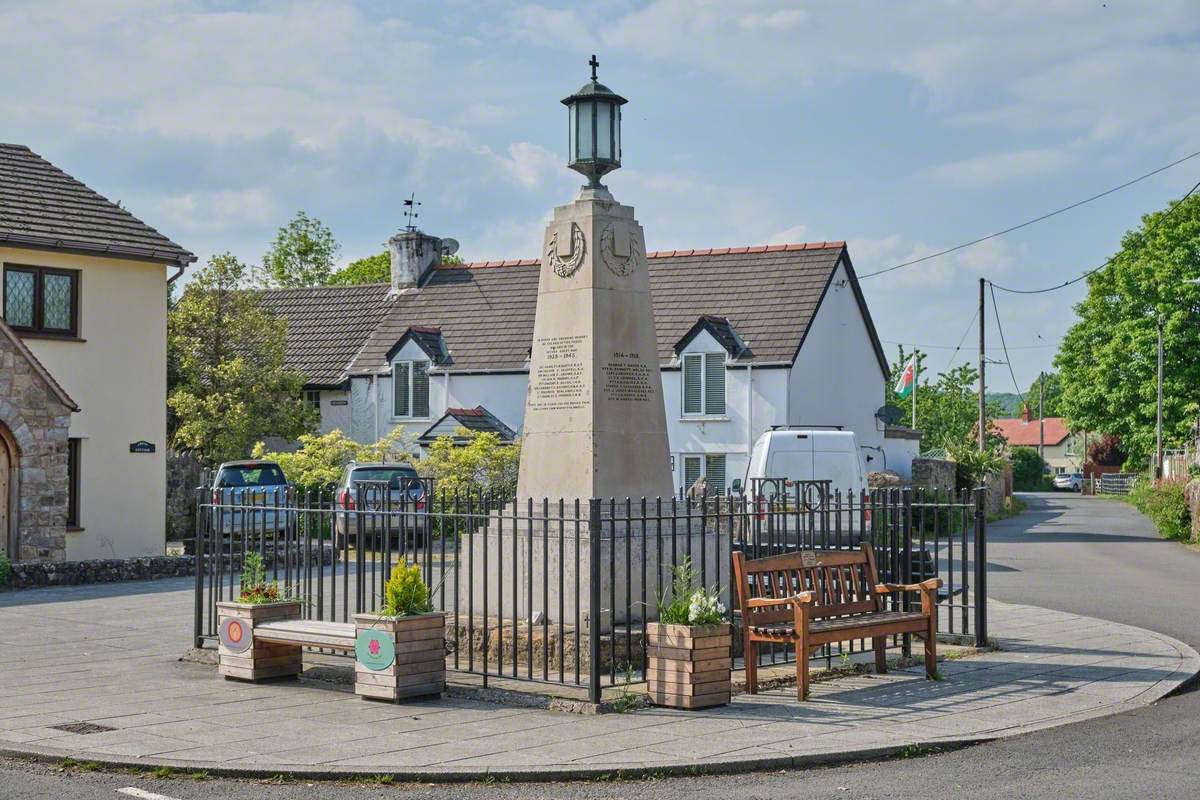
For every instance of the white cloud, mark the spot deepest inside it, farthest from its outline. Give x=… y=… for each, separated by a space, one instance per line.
x=993 y=168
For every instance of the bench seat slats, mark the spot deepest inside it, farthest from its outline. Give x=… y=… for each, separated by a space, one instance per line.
x=310 y=633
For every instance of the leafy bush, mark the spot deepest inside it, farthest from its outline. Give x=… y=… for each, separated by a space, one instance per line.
x=690 y=606
x=255 y=589
x=1029 y=471
x=322 y=457
x=1107 y=451
x=406 y=594
x=972 y=467
x=6 y=571
x=484 y=464
x=1165 y=504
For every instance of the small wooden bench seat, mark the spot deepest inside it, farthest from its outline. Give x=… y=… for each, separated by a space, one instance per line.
x=338 y=636
x=815 y=597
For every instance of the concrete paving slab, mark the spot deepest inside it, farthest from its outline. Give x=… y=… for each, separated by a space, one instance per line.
x=1052 y=669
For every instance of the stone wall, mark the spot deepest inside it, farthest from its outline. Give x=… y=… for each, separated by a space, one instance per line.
x=184 y=474
x=71 y=573
x=933 y=473
x=38 y=422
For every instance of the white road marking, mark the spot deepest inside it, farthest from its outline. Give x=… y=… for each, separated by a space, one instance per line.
x=133 y=791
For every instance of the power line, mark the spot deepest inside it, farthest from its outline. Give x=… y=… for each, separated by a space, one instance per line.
x=950 y=347
x=1027 y=223
x=961 y=339
x=1113 y=258
x=1007 y=360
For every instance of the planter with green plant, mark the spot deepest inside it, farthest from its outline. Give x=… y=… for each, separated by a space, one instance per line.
x=688 y=649
x=259 y=601
x=400 y=651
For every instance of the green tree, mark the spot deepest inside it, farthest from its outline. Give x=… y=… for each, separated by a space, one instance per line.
x=1029 y=470
x=1052 y=405
x=226 y=356
x=947 y=407
x=372 y=269
x=303 y=254
x=1108 y=359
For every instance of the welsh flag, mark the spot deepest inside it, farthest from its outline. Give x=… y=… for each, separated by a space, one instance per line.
x=904 y=383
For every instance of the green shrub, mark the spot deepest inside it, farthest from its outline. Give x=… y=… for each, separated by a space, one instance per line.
x=1029 y=471
x=255 y=589
x=406 y=594
x=6 y=571
x=1165 y=504
x=690 y=606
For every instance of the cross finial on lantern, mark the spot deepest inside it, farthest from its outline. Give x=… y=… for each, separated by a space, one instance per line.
x=594 y=64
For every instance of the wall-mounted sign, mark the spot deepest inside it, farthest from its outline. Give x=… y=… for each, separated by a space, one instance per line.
x=141 y=447
x=236 y=635
x=339 y=402
x=375 y=650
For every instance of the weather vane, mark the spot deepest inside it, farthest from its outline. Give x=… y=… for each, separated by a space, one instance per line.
x=410 y=212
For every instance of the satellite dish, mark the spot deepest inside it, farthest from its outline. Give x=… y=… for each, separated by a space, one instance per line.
x=449 y=247
x=889 y=414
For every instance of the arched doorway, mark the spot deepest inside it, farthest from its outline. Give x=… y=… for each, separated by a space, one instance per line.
x=8 y=492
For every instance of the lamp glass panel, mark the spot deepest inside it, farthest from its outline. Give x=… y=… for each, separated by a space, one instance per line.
x=617 y=132
x=586 y=150
x=572 y=146
x=604 y=125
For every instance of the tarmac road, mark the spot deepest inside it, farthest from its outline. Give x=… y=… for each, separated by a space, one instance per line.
x=1085 y=555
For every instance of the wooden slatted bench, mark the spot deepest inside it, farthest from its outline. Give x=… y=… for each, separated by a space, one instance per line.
x=815 y=597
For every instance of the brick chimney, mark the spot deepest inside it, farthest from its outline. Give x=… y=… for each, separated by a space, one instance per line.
x=413 y=254
x=1026 y=412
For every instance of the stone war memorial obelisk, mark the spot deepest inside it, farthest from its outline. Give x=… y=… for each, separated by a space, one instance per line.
x=595 y=423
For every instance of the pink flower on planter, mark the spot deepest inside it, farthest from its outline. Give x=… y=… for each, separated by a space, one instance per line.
x=374 y=647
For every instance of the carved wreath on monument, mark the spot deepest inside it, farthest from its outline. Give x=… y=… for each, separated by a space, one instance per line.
x=619 y=265
x=566 y=267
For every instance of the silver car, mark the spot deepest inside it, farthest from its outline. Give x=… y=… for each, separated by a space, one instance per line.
x=374 y=498
x=1071 y=481
x=251 y=497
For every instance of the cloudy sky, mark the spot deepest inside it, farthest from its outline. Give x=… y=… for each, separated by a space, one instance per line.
x=901 y=128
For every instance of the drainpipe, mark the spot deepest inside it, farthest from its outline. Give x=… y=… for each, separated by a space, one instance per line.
x=177 y=275
x=749 y=410
x=375 y=405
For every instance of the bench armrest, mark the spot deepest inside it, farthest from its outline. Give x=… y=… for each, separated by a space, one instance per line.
x=930 y=585
x=763 y=602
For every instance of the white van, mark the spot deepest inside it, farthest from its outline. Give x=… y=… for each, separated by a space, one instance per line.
x=806 y=454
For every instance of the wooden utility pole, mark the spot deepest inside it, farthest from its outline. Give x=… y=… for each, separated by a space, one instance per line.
x=982 y=367
x=1042 y=416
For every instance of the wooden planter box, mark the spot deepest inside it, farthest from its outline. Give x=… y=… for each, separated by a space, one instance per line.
x=419 y=666
x=244 y=658
x=688 y=665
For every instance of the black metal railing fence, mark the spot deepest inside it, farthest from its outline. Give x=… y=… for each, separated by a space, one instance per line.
x=558 y=591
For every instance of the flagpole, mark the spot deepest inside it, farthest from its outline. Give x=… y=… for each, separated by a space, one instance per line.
x=916 y=376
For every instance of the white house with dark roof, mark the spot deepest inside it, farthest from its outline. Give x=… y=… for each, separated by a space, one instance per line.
x=83 y=368
x=748 y=338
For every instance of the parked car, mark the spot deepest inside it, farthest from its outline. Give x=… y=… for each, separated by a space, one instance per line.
x=790 y=469
x=1072 y=481
x=362 y=504
x=251 y=497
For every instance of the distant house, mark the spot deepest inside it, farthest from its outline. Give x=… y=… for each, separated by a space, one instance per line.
x=83 y=383
x=748 y=338
x=1063 y=450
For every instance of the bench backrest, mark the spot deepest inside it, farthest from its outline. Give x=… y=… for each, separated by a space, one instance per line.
x=841 y=581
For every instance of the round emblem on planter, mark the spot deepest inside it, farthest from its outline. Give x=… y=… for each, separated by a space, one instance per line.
x=374 y=650
x=236 y=635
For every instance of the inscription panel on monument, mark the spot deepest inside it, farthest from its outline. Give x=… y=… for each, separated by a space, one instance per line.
x=627 y=377
x=558 y=383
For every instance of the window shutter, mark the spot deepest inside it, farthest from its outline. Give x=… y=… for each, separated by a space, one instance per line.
x=400 y=389
x=714 y=472
x=714 y=383
x=692 y=385
x=420 y=394
x=691 y=471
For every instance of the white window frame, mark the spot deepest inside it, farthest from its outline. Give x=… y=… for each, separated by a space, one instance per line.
x=312 y=399
x=703 y=458
x=409 y=388
x=704 y=360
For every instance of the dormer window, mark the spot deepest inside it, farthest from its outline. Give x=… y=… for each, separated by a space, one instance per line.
x=410 y=389
x=704 y=384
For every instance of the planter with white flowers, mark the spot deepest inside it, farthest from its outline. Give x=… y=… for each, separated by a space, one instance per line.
x=688 y=649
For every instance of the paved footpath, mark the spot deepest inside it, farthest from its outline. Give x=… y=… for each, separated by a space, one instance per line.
x=106 y=655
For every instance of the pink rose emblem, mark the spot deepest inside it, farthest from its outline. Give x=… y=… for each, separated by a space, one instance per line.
x=374 y=647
